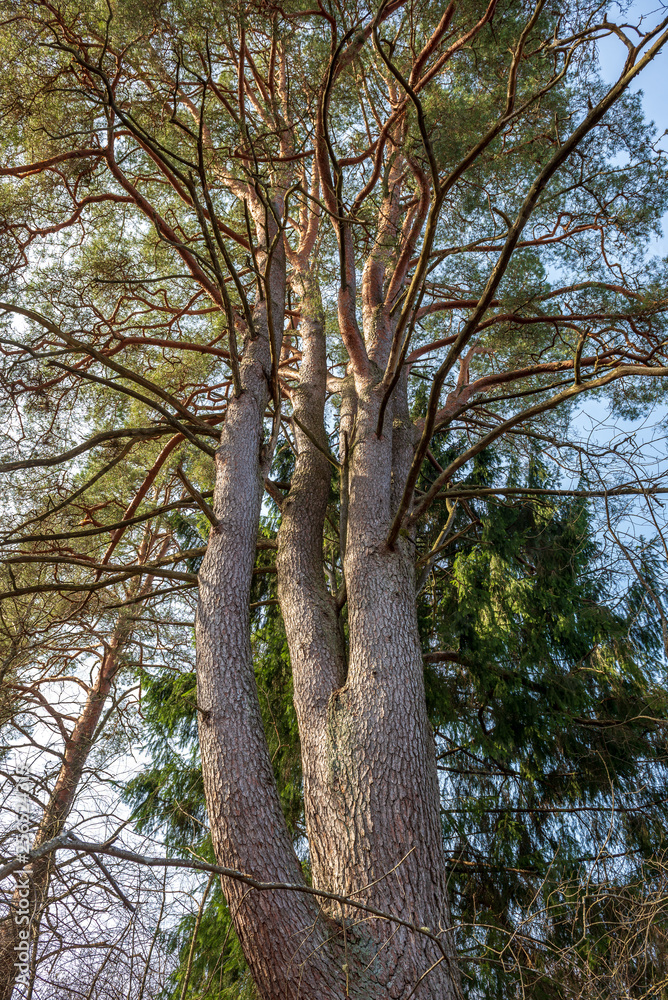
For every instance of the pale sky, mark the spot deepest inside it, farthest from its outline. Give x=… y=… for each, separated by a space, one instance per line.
x=653 y=81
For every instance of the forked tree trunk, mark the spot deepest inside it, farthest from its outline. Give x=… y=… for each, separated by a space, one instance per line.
x=370 y=782
x=282 y=934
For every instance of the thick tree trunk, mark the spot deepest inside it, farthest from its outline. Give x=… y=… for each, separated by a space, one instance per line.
x=382 y=746
x=309 y=611
x=371 y=789
x=370 y=786
x=283 y=934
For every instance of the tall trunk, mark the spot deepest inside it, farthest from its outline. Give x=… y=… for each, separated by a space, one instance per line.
x=383 y=786
x=283 y=935
x=309 y=611
x=60 y=804
x=370 y=783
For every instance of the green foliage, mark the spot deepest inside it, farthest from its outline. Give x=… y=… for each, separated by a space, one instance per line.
x=216 y=970
x=550 y=722
x=541 y=669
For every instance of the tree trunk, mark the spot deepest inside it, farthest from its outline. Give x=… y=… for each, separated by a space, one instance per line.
x=370 y=785
x=317 y=654
x=383 y=766
x=283 y=934
x=370 y=781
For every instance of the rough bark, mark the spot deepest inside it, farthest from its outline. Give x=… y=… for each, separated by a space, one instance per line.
x=370 y=788
x=383 y=775
x=370 y=785
x=283 y=935
x=309 y=610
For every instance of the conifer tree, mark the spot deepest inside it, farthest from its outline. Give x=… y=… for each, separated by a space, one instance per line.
x=242 y=231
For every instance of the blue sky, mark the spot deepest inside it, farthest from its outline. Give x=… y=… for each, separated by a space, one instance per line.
x=652 y=82
x=645 y=451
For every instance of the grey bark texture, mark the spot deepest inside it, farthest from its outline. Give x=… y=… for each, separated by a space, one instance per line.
x=370 y=783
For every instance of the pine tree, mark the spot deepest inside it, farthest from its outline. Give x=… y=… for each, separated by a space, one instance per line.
x=233 y=230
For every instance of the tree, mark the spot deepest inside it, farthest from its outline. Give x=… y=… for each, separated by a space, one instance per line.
x=41 y=698
x=354 y=200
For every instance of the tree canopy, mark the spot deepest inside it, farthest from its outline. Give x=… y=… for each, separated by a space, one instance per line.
x=309 y=308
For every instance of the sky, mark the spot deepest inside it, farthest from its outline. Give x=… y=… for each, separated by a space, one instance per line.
x=652 y=82
x=646 y=452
